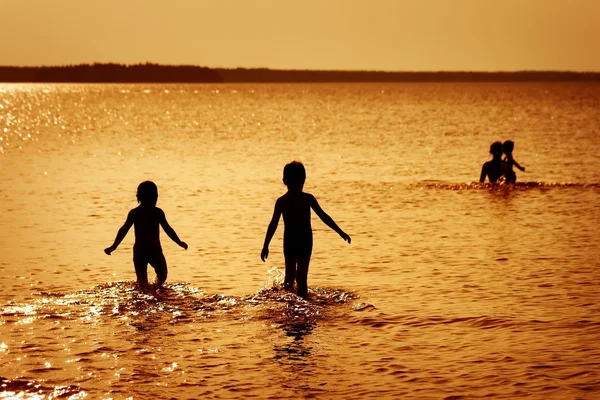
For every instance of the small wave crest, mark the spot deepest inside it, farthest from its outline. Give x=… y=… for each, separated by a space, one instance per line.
x=26 y=389
x=503 y=187
x=477 y=321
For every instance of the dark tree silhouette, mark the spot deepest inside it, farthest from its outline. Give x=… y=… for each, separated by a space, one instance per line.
x=147 y=73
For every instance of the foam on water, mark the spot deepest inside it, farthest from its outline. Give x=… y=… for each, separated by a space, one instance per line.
x=124 y=300
x=501 y=187
x=123 y=309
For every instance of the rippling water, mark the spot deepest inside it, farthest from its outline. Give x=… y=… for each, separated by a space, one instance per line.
x=450 y=289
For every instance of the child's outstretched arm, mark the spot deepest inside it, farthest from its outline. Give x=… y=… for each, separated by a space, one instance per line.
x=121 y=234
x=517 y=165
x=170 y=231
x=271 y=231
x=327 y=219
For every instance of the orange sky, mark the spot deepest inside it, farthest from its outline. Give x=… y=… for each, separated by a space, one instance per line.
x=307 y=34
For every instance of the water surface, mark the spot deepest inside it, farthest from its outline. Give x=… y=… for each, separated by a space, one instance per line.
x=449 y=289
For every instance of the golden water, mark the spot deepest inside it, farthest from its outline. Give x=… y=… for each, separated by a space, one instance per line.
x=449 y=289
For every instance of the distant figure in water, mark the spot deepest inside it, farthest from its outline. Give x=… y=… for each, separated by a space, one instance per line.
x=509 y=161
x=295 y=206
x=146 y=219
x=493 y=169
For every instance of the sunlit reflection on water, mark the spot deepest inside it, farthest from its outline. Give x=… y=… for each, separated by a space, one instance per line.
x=156 y=327
x=450 y=288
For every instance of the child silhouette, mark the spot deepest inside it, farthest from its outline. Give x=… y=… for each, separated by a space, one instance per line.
x=146 y=219
x=295 y=207
x=509 y=161
x=493 y=169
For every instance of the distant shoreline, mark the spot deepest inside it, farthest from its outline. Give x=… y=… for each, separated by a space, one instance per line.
x=157 y=73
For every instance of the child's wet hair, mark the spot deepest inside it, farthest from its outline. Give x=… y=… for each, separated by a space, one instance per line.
x=147 y=192
x=496 y=148
x=294 y=173
x=508 y=146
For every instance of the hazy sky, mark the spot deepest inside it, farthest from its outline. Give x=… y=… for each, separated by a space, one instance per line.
x=306 y=34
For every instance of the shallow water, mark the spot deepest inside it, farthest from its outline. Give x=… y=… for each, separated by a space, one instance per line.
x=449 y=289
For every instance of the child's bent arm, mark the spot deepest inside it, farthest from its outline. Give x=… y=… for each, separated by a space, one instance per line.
x=271 y=231
x=327 y=219
x=121 y=234
x=483 y=174
x=170 y=231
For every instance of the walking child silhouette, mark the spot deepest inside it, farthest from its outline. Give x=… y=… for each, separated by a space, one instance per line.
x=146 y=219
x=295 y=206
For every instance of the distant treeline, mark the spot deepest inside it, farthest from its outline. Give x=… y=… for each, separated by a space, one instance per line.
x=146 y=73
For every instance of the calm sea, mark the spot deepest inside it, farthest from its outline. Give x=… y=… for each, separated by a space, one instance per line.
x=450 y=289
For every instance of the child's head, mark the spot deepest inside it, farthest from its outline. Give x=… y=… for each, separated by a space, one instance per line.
x=496 y=149
x=294 y=174
x=147 y=193
x=508 y=147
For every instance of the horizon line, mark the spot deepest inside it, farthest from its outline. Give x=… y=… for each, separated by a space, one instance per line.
x=385 y=71
x=165 y=73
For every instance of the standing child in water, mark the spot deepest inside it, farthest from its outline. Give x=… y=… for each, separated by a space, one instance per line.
x=146 y=219
x=493 y=169
x=295 y=207
x=509 y=173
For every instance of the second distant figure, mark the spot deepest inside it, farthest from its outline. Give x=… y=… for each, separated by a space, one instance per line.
x=295 y=207
x=509 y=161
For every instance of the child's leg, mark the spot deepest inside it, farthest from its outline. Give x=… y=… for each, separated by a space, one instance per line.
x=290 y=271
x=302 y=276
x=510 y=178
x=141 y=272
x=159 y=263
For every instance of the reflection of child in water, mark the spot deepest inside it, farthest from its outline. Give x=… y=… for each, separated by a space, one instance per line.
x=509 y=173
x=295 y=207
x=146 y=219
